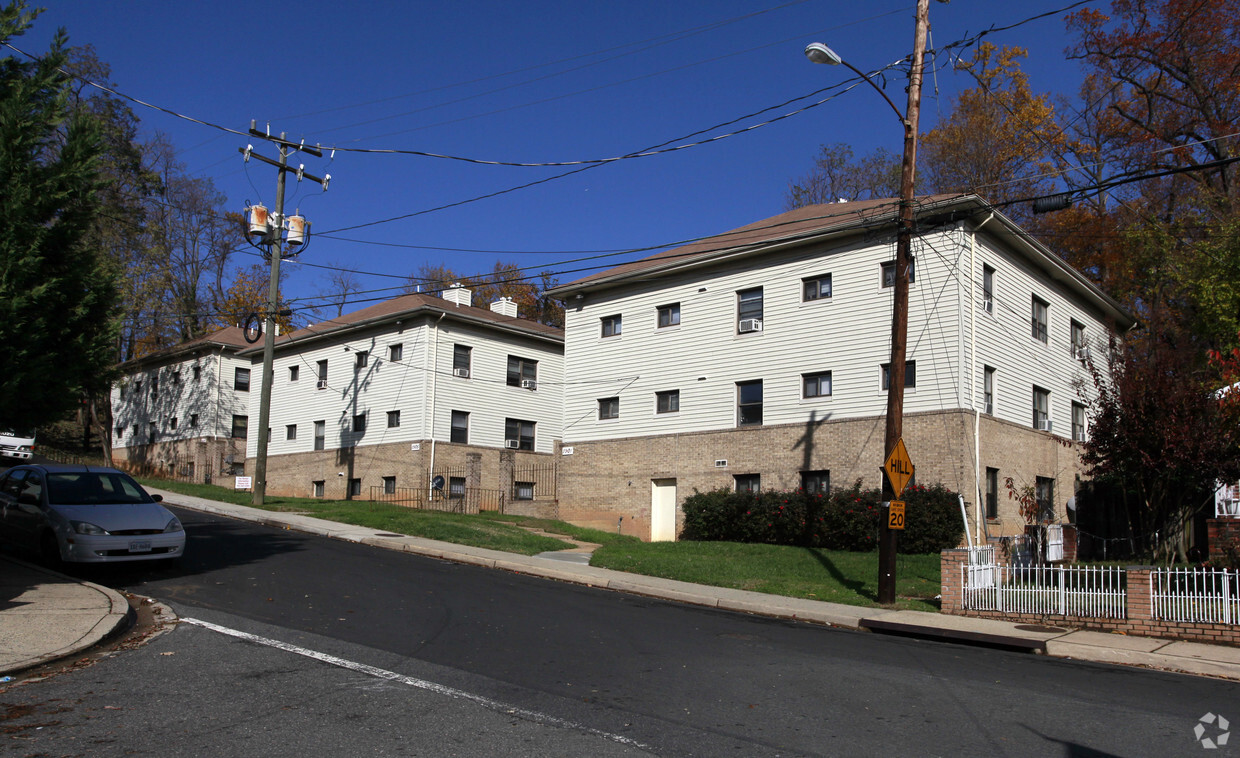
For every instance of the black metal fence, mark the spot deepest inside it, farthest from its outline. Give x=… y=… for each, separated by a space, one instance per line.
x=467 y=500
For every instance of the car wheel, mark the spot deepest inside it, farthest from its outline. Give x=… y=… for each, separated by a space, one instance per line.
x=49 y=548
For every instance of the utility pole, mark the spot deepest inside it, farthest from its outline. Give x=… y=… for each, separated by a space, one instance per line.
x=887 y=544
x=270 y=232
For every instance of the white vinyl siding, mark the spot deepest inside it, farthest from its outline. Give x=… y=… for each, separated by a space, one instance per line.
x=705 y=357
x=408 y=385
x=210 y=399
x=1005 y=340
x=701 y=357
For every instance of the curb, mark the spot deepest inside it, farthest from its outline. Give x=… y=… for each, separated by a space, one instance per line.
x=117 y=618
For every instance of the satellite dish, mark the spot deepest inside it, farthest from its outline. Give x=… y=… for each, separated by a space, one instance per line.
x=437 y=483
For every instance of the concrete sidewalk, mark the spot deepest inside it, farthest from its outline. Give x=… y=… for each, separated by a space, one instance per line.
x=45 y=615
x=1190 y=657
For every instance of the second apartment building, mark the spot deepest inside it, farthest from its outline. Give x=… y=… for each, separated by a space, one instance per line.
x=418 y=394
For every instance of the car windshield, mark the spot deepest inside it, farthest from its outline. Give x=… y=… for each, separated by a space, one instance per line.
x=92 y=488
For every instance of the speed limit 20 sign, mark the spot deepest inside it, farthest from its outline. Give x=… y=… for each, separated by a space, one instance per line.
x=895 y=515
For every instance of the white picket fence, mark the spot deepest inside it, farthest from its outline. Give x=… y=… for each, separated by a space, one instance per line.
x=1085 y=591
x=1201 y=596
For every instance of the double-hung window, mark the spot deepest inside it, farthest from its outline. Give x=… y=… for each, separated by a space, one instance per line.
x=988 y=289
x=241 y=380
x=396 y=352
x=461 y=360
x=992 y=493
x=320 y=435
x=522 y=372
x=1041 y=409
x=667 y=401
x=521 y=431
x=749 y=310
x=749 y=403
x=611 y=326
x=988 y=391
x=1078 y=422
x=1076 y=339
x=460 y=427
x=1038 y=320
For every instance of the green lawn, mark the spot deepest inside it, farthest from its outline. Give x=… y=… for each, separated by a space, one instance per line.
x=834 y=576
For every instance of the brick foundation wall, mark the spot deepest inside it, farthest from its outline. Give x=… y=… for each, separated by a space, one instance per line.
x=210 y=457
x=488 y=468
x=608 y=482
x=1139 y=620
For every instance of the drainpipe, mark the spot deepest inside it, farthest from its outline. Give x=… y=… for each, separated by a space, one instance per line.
x=215 y=411
x=977 y=409
x=433 y=348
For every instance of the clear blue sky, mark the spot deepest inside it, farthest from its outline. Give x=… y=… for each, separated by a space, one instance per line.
x=533 y=81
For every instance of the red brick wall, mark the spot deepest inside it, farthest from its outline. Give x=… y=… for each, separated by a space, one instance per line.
x=1222 y=533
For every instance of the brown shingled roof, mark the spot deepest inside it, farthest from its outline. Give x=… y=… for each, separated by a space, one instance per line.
x=409 y=305
x=811 y=219
x=228 y=337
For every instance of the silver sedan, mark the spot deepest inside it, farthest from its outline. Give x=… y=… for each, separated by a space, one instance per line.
x=89 y=514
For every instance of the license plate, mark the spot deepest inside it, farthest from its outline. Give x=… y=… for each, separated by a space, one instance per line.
x=140 y=546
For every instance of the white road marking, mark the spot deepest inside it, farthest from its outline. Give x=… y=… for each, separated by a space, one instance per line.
x=440 y=689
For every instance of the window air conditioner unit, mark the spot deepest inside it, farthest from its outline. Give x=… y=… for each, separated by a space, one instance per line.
x=749 y=325
x=512 y=444
x=461 y=372
x=1082 y=354
x=1080 y=437
x=1046 y=426
x=322 y=384
x=529 y=384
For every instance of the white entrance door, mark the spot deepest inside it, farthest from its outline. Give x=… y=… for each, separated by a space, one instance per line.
x=662 y=510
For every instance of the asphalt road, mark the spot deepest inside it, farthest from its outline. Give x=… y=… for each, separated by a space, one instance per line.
x=389 y=653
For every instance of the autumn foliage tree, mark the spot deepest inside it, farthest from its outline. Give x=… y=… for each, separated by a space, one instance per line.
x=1161 y=434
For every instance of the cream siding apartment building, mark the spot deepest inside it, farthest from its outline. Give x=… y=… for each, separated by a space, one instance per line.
x=386 y=399
x=185 y=409
x=757 y=359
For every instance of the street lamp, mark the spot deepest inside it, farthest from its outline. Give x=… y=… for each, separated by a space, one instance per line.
x=820 y=53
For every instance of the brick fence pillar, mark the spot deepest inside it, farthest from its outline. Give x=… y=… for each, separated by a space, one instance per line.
x=951 y=563
x=1139 y=609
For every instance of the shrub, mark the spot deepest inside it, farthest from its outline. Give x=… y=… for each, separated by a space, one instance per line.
x=847 y=519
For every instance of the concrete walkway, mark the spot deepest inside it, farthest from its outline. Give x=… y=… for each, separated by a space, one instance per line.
x=80 y=613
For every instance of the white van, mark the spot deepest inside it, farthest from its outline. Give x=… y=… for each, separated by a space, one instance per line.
x=16 y=444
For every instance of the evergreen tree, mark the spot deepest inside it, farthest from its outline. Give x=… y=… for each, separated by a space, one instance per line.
x=58 y=295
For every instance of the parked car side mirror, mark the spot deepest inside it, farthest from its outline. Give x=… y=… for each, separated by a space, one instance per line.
x=157 y=498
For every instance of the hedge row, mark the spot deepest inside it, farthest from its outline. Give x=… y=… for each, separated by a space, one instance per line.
x=847 y=519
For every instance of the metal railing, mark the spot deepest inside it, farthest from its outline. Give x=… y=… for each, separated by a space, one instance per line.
x=1200 y=596
x=1085 y=591
x=469 y=500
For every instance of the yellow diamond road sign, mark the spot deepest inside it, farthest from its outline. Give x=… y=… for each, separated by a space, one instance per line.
x=898 y=467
